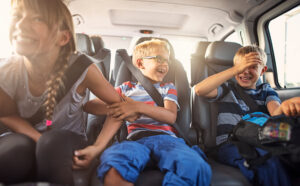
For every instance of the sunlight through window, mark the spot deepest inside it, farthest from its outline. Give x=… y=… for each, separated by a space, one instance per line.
x=5 y=48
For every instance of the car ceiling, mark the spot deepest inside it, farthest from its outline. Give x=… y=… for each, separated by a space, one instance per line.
x=208 y=19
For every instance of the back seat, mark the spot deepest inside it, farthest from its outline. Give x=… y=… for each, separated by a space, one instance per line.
x=197 y=59
x=85 y=45
x=102 y=54
x=218 y=57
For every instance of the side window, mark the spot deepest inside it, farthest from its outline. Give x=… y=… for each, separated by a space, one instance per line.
x=5 y=48
x=234 y=37
x=285 y=39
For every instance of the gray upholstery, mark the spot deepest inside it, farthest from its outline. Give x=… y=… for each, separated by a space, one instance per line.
x=218 y=57
x=196 y=57
x=84 y=44
x=102 y=54
x=221 y=53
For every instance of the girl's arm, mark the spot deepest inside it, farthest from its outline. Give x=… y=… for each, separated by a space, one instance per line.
x=99 y=86
x=166 y=114
x=19 y=125
x=290 y=107
x=7 y=105
x=83 y=158
x=9 y=117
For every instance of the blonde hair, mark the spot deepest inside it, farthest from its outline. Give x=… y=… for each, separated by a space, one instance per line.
x=147 y=47
x=54 y=12
x=248 y=49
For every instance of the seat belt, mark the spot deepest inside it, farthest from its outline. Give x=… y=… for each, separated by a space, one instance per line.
x=246 y=97
x=148 y=86
x=71 y=76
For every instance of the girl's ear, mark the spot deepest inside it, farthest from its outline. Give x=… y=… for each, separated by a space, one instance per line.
x=64 y=37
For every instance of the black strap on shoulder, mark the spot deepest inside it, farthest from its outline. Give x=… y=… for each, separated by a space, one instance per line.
x=148 y=86
x=71 y=76
x=245 y=97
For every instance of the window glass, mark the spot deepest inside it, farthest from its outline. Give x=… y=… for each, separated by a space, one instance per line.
x=234 y=37
x=183 y=48
x=5 y=48
x=285 y=38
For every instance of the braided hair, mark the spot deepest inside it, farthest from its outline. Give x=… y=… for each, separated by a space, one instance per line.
x=57 y=16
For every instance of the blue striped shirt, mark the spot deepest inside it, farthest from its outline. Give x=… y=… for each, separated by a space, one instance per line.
x=232 y=107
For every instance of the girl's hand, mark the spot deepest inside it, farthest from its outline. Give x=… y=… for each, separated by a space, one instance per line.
x=124 y=110
x=291 y=107
x=83 y=158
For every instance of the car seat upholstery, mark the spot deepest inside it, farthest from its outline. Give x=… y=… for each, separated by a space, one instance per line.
x=85 y=45
x=218 y=57
x=102 y=54
x=197 y=59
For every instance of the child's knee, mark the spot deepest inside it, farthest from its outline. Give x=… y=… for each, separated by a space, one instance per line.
x=113 y=177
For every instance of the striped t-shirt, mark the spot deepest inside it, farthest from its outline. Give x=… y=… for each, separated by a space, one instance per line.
x=138 y=93
x=232 y=107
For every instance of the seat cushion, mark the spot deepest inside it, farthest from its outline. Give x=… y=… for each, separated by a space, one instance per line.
x=224 y=175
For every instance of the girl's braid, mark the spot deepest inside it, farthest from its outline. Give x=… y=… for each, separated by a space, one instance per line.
x=55 y=84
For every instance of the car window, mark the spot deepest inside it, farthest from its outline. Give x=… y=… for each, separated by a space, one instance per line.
x=285 y=39
x=5 y=49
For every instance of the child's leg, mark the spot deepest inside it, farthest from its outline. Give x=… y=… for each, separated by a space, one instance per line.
x=17 y=158
x=129 y=158
x=270 y=173
x=54 y=154
x=182 y=164
x=114 y=178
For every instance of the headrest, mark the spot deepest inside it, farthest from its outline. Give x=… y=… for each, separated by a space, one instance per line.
x=201 y=48
x=142 y=39
x=98 y=42
x=84 y=44
x=221 y=53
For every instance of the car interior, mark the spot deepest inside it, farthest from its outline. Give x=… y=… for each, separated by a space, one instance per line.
x=204 y=36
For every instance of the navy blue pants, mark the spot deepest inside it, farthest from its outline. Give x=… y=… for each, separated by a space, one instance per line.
x=270 y=173
x=182 y=165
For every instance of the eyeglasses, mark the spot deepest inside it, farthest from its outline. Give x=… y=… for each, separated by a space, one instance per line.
x=158 y=58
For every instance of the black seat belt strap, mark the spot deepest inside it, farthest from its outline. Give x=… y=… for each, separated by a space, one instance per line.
x=148 y=86
x=246 y=97
x=71 y=76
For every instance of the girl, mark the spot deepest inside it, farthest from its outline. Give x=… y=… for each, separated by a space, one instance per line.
x=42 y=35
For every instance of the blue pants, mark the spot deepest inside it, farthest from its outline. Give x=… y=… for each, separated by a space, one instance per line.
x=181 y=164
x=270 y=173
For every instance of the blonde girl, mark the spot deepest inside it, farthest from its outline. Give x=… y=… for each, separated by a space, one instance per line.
x=42 y=36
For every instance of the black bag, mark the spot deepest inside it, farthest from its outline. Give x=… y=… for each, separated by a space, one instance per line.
x=279 y=136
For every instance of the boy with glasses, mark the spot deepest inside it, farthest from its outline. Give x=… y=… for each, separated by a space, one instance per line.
x=150 y=137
